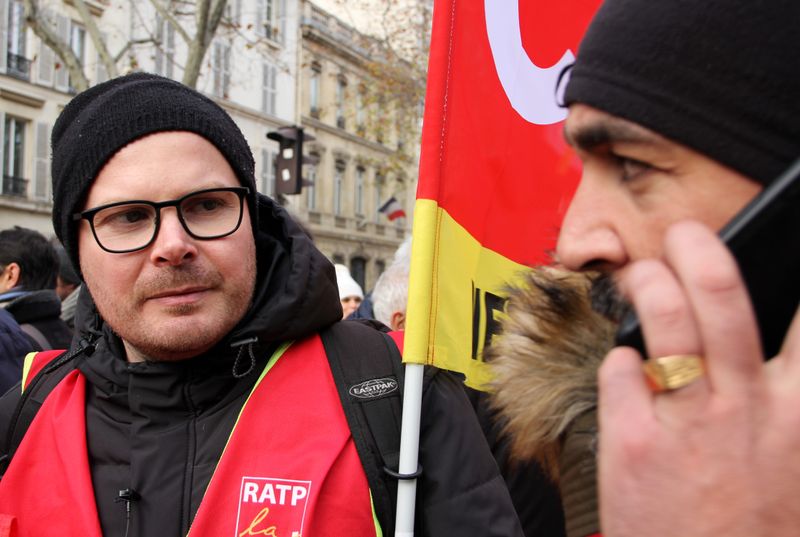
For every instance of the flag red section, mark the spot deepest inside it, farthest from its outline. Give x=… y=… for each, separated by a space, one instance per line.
x=495 y=172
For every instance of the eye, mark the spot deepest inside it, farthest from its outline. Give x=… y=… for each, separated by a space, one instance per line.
x=199 y=206
x=123 y=215
x=209 y=204
x=632 y=168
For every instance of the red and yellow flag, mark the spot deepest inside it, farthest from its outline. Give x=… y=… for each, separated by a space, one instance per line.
x=495 y=173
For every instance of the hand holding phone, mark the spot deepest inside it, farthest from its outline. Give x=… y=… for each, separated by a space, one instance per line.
x=764 y=237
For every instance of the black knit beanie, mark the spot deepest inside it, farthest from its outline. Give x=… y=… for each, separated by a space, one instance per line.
x=719 y=76
x=105 y=118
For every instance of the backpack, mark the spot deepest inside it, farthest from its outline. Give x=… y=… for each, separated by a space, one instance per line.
x=368 y=372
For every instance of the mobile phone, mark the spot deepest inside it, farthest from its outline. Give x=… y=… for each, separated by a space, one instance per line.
x=764 y=237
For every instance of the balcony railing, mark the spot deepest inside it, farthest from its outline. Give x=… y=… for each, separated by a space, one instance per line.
x=18 y=66
x=15 y=186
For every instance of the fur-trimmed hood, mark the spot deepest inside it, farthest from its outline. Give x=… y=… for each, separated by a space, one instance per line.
x=545 y=362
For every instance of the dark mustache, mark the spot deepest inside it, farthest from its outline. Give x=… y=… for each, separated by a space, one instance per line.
x=606 y=298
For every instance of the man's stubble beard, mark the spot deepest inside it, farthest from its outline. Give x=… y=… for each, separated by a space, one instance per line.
x=145 y=343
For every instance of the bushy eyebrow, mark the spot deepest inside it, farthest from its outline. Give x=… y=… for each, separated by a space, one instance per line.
x=608 y=131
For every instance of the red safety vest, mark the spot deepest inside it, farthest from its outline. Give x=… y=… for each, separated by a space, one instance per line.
x=290 y=469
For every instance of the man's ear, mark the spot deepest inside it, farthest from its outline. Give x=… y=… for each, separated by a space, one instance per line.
x=9 y=277
x=398 y=321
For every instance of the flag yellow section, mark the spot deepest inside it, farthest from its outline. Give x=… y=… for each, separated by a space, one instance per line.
x=457 y=292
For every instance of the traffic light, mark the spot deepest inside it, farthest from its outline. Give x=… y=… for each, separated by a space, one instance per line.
x=290 y=159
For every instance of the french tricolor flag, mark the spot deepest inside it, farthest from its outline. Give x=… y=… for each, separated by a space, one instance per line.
x=392 y=209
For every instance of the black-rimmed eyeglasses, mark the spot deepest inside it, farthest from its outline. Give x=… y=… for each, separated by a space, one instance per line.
x=127 y=226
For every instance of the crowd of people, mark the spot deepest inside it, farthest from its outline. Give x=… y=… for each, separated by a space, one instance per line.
x=200 y=391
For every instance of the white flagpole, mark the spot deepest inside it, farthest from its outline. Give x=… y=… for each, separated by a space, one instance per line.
x=409 y=450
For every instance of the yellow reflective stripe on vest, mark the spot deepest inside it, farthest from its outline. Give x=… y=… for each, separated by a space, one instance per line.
x=27 y=363
x=272 y=361
x=378 y=530
x=279 y=352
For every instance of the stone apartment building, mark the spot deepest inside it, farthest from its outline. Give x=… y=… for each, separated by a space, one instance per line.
x=365 y=142
x=256 y=68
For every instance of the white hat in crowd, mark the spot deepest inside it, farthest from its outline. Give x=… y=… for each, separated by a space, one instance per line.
x=347 y=285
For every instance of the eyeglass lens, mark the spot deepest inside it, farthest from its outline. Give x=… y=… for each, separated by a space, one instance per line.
x=204 y=215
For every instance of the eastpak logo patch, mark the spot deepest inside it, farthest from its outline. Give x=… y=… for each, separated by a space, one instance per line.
x=373 y=388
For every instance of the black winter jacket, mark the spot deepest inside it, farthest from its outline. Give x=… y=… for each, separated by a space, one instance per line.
x=14 y=345
x=159 y=428
x=42 y=310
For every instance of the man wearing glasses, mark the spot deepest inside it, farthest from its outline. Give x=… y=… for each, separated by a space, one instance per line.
x=201 y=396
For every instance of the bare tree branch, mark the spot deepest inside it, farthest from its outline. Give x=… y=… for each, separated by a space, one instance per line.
x=165 y=13
x=49 y=37
x=197 y=50
x=99 y=43
x=217 y=12
x=208 y=15
x=131 y=43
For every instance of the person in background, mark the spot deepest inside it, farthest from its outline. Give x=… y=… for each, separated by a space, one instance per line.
x=682 y=113
x=68 y=285
x=535 y=498
x=14 y=345
x=390 y=295
x=29 y=266
x=350 y=293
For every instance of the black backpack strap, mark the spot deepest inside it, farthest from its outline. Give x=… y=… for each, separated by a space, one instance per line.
x=36 y=335
x=368 y=371
x=31 y=400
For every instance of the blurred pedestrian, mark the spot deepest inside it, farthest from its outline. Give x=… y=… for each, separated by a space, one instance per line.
x=535 y=498
x=68 y=285
x=30 y=267
x=390 y=295
x=14 y=345
x=350 y=293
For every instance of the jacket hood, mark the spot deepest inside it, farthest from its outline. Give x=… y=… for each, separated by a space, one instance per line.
x=295 y=294
x=544 y=362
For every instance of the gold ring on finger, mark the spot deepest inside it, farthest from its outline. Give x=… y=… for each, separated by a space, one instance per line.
x=667 y=373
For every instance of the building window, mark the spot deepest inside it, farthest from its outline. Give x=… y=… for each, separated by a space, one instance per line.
x=341 y=96
x=268 y=172
x=16 y=63
x=311 y=189
x=14 y=182
x=361 y=111
x=270 y=20
x=399 y=131
x=40 y=189
x=338 y=184
x=380 y=131
x=221 y=69
x=360 y=172
x=314 y=89
x=269 y=90
x=338 y=258
x=77 y=41
x=378 y=196
x=358 y=270
x=380 y=266
x=233 y=12
x=165 y=48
